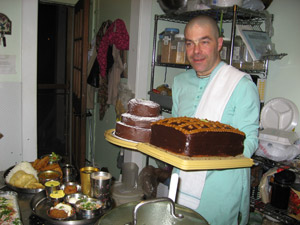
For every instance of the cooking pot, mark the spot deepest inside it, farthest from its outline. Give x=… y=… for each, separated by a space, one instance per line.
x=161 y=211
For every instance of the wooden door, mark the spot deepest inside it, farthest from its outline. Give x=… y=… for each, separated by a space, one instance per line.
x=79 y=83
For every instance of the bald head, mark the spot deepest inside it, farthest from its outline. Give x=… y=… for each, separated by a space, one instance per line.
x=204 y=20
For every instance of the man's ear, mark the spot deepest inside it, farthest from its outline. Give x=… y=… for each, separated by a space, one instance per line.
x=220 y=43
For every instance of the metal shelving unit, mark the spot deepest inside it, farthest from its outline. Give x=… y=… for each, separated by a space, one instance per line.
x=233 y=15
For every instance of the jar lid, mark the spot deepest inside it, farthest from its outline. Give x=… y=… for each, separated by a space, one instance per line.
x=172 y=30
x=285 y=177
x=179 y=36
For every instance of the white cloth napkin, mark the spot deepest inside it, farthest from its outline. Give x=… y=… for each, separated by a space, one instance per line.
x=210 y=107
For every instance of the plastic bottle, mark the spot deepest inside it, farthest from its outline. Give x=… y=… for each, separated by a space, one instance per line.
x=169 y=35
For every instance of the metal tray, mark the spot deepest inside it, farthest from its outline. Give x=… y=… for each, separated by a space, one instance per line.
x=17 y=189
x=40 y=204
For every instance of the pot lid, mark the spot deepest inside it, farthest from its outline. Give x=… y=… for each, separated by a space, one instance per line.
x=279 y=113
x=123 y=214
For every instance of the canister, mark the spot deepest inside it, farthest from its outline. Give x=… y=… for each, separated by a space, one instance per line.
x=178 y=49
x=280 y=192
x=169 y=35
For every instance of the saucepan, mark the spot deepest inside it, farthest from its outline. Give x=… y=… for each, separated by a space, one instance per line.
x=161 y=211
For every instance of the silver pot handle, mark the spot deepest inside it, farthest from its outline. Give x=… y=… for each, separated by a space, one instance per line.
x=142 y=203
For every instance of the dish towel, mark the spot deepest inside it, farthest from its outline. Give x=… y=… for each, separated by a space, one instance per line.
x=210 y=107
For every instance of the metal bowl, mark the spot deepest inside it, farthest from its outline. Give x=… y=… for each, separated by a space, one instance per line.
x=72 y=216
x=76 y=188
x=73 y=198
x=57 y=197
x=48 y=175
x=89 y=207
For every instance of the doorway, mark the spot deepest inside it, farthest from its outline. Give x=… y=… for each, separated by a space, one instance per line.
x=52 y=80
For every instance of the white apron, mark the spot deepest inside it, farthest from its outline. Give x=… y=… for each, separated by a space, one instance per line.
x=211 y=107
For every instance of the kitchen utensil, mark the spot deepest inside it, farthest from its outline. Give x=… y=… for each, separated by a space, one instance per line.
x=162 y=211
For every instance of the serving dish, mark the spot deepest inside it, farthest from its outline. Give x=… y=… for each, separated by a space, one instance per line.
x=75 y=184
x=9 y=208
x=89 y=207
x=73 y=198
x=17 y=189
x=40 y=204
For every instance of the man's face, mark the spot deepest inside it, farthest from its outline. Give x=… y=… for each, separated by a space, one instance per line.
x=202 y=48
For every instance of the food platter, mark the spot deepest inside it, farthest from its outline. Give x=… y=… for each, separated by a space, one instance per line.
x=9 y=202
x=17 y=189
x=182 y=162
x=40 y=204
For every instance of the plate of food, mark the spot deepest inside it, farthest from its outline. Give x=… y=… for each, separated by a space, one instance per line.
x=9 y=208
x=41 y=206
x=23 y=177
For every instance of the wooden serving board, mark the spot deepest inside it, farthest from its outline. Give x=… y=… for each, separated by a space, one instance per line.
x=182 y=162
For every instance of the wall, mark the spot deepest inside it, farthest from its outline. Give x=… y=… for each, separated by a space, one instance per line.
x=106 y=153
x=284 y=76
x=18 y=89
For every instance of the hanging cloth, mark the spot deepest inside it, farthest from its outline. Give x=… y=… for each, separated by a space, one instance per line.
x=211 y=107
x=116 y=35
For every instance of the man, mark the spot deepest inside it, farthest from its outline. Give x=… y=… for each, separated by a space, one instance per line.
x=218 y=92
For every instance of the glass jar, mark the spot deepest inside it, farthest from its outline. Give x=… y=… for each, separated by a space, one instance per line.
x=168 y=37
x=178 y=50
x=159 y=47
x=237 y=55
x=225 y=51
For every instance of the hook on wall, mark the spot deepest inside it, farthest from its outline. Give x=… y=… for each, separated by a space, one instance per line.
x=5 y=28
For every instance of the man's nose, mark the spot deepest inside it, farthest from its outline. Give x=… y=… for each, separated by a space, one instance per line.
x=197 y=48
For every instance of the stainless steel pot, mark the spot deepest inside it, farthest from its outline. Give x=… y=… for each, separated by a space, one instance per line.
x=161 y=211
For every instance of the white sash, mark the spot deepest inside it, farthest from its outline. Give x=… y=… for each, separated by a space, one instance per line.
x=211 y=107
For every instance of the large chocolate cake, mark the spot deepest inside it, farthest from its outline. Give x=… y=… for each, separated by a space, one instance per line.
x=198 y=138
x=135 y=124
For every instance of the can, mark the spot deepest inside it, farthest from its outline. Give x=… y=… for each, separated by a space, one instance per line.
x=85 y=179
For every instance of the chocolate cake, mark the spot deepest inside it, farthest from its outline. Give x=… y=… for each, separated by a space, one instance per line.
x=197 y=138
x=135 y=124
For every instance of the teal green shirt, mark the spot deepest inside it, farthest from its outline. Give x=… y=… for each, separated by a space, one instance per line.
x=226 y=193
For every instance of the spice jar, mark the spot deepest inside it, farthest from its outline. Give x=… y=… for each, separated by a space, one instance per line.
x=178 y=49
x=168 y=37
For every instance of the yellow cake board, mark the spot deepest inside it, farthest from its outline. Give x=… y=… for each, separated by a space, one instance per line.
x=109 y=136
x=181 y=162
